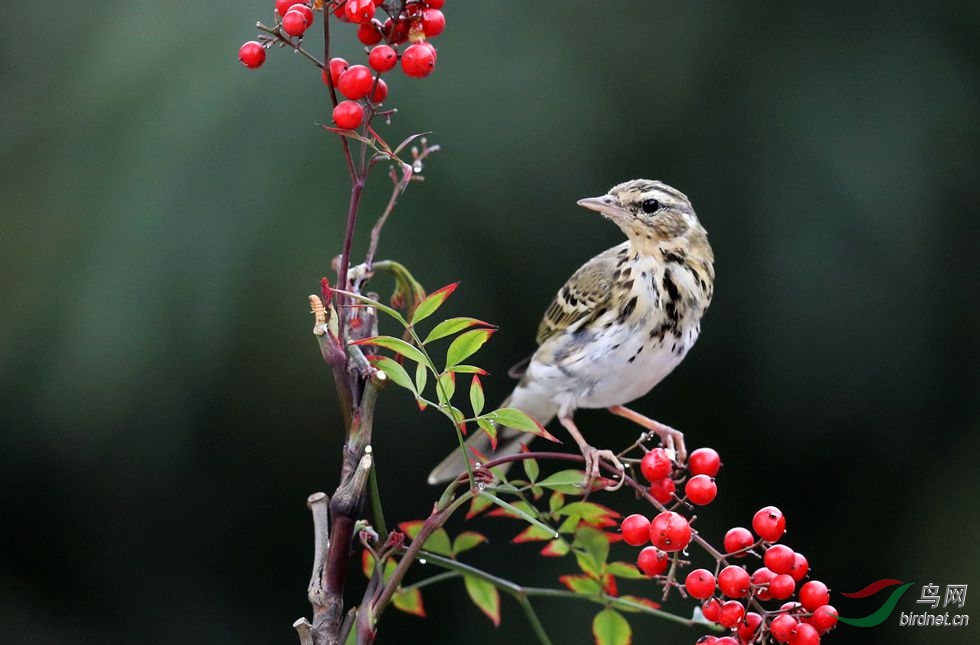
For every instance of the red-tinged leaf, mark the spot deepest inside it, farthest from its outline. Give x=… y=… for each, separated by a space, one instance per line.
x=520 y=420
x=646 y=602
x=609 y=585
x=594 y=544
x=367 y=564
x=485 y=596
x=409 y=602
x=467 y=540
x=568 y=482
x=477 y=400
x=610 y=628
x=466 y=344
x=477 y=506
x=624 y=570
x=581 y=584
x=533 y=534
x=468 y=369
x=326 y=293
x=556 y=549
x=431 y=303
x=452 y=326
x=557 y=501
x=395 y=372
x=500 y=511
x=590 y=512
x=446 y=387
x=396 y=345
x=490 y=429
x=411 y=529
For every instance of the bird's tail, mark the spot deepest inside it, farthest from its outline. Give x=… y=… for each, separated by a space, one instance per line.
x=509 y=441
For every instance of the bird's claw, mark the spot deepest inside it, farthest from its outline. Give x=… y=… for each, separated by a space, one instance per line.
x=593 y=457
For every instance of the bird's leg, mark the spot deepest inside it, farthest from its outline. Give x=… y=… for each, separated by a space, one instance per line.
x=672 y=439
x=592 y=455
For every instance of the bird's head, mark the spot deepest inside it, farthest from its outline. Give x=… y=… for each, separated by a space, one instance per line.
x=649 y=212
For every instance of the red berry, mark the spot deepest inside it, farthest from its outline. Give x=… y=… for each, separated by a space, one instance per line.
x=736 y=539
x=707 y=640
x=635 y=529
x=791 y=607
x=779 y=558
x=295 y=23
x=382 y=58
x=359 y=11
x=369 y=33
x=726 y=640
x=805 y=634
x=652 y=561
x=734 y=581
x=700 y=490
x=418 y=61
x=304 y=9
x=251 y=54
x=814 y=594
x=749 y=626
x=380 y=91
x=710 y=609
x=824 y=618
x=769 y=523
x=700 y=583
x=670 y=531
x=761 y=578
x=800 y=567
x=435 y=4
x=356 y=82
x=782 y=627
x=663 y=490
x=337 y=67
x=656 y=465
x=704 y=461
x=396 y=31
x=282 y=6
x=731 y=613
x=433 y=22
x=348 y=115
x=782 y=586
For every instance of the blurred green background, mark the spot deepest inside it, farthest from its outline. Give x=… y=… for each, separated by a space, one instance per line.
x=163 y=408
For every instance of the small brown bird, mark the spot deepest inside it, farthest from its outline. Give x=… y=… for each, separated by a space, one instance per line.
x=620 y=324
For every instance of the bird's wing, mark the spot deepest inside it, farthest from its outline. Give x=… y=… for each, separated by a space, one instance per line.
x=584 y=297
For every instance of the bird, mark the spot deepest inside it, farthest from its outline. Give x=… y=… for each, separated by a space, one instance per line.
x=620 y=324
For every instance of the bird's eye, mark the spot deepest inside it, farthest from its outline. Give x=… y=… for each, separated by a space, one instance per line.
x=650 y=206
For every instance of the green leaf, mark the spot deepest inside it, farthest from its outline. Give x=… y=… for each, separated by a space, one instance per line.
x=396 y=345
x=581 y=584
x=466 y=344
x=452 y=326
x=520 y=420
x=467 y=540
x=431 y=303
x=421 y=377
x=556 y=502
x=533 y=534
x=590 y=512
x=624 y=570
x=490 y=429
x=438 y=543
x=594 y=544
x=396 y=373
x=556 y=549
x=568 y=482
x=531 y=469
x=467 y=369
x=409 y=602
x=610 y=628
x=446 y=388
x=478 y=505
x=485 y=596
x=377 y=305
x=514 y=510
x=477 y=399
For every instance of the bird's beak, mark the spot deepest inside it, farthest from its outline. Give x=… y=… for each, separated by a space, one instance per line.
x=607 y=205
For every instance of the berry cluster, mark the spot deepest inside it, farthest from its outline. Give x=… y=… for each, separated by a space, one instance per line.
x=730 y=595
x=403 y=35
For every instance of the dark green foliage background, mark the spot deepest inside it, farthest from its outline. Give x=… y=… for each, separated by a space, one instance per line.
x=163 y=408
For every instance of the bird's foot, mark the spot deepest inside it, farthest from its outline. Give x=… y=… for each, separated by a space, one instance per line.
x=671 y=439
x=593 y=457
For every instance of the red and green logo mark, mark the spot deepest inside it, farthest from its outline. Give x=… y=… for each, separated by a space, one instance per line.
x=882 y=613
